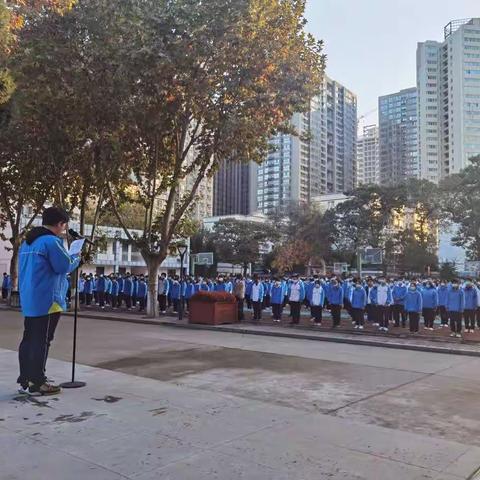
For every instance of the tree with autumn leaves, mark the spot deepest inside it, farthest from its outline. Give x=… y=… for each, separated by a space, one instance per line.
x=28 y=172
x=139 y=96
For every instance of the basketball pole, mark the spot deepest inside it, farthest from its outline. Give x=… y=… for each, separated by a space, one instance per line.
x=359 y=263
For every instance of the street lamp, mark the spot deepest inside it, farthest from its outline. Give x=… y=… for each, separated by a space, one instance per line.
x=182 y=250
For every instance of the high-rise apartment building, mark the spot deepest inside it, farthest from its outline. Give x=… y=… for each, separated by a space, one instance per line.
x=320 y=159
x=368 y=156
x=231 y=189
x=398 y=136
x=448 y=82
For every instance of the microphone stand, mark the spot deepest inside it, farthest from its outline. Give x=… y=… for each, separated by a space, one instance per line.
x=74 y=383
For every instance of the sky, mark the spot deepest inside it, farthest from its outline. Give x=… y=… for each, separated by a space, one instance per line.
x=371 y=44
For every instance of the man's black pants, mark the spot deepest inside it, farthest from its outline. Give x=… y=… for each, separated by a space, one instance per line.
x=443 y=314
x=277 y=309
x=455 y=322
x=398 y=311
x=316 y=312
x=295 y=308
x=128 y=300
x=429 y=317
x=4 y=293
x=370 y=309
x=336 y=311
x=240 y=309
x=358 y=315
x=469 y=316
x=413 y=321
x=162 y=302
x=257 y=310
x=101 y=298
x=33 y=351
x=382 y=312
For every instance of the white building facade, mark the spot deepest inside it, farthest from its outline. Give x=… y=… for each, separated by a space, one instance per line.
x=448 y=83
x=368 y=156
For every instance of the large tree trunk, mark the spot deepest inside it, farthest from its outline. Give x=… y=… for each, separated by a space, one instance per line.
x=153 y=264
x=14 y=263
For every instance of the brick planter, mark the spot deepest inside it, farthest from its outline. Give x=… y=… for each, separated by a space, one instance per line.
x=213 y=308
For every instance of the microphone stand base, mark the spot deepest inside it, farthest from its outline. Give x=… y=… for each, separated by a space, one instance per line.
x=72 y=384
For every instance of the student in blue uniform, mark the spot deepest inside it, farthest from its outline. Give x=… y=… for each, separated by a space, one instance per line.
x=101 y=284
x=399 y=292
x=163 y=288
x=205 y=285
x=210 y=285
x=121 y=282
x=248 y=292
x=239 y=292
x=108 y=290
x=346 y=288
x=413 y=307
x=335 y=300
x=169 y=295
x=267 y=285
x=81 y=289
x=442 y=291
x=114 y=292
x=381 y=298
x=176 y=293
x=296 y=296
x=455 y=308
x=370 y=308
x=95 y=292
x=277 y=298
x=471 y=302
x=430 y=304
x=316 y=302
x=308 y=290
x=220 y=285
x=142 y=290
x=358 y=302
x=258 y=293
x=228 y=285
x=134 y=291
x=128 y=291
x=189 y=292
x=88 y=290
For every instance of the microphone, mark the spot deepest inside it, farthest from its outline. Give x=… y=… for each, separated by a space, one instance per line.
x=77 y=236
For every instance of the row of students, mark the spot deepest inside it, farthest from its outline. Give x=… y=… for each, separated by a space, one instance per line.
x=113 y=290
x=381 y=301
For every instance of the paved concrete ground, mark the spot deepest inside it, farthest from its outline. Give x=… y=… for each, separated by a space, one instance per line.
x=165 y=403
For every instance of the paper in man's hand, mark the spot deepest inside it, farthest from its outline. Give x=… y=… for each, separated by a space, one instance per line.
x=76 y=247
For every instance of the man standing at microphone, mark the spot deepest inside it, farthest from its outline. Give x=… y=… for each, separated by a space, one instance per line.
x=43 y=267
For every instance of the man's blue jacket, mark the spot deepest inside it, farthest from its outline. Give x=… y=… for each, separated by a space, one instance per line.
x=43 y=267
